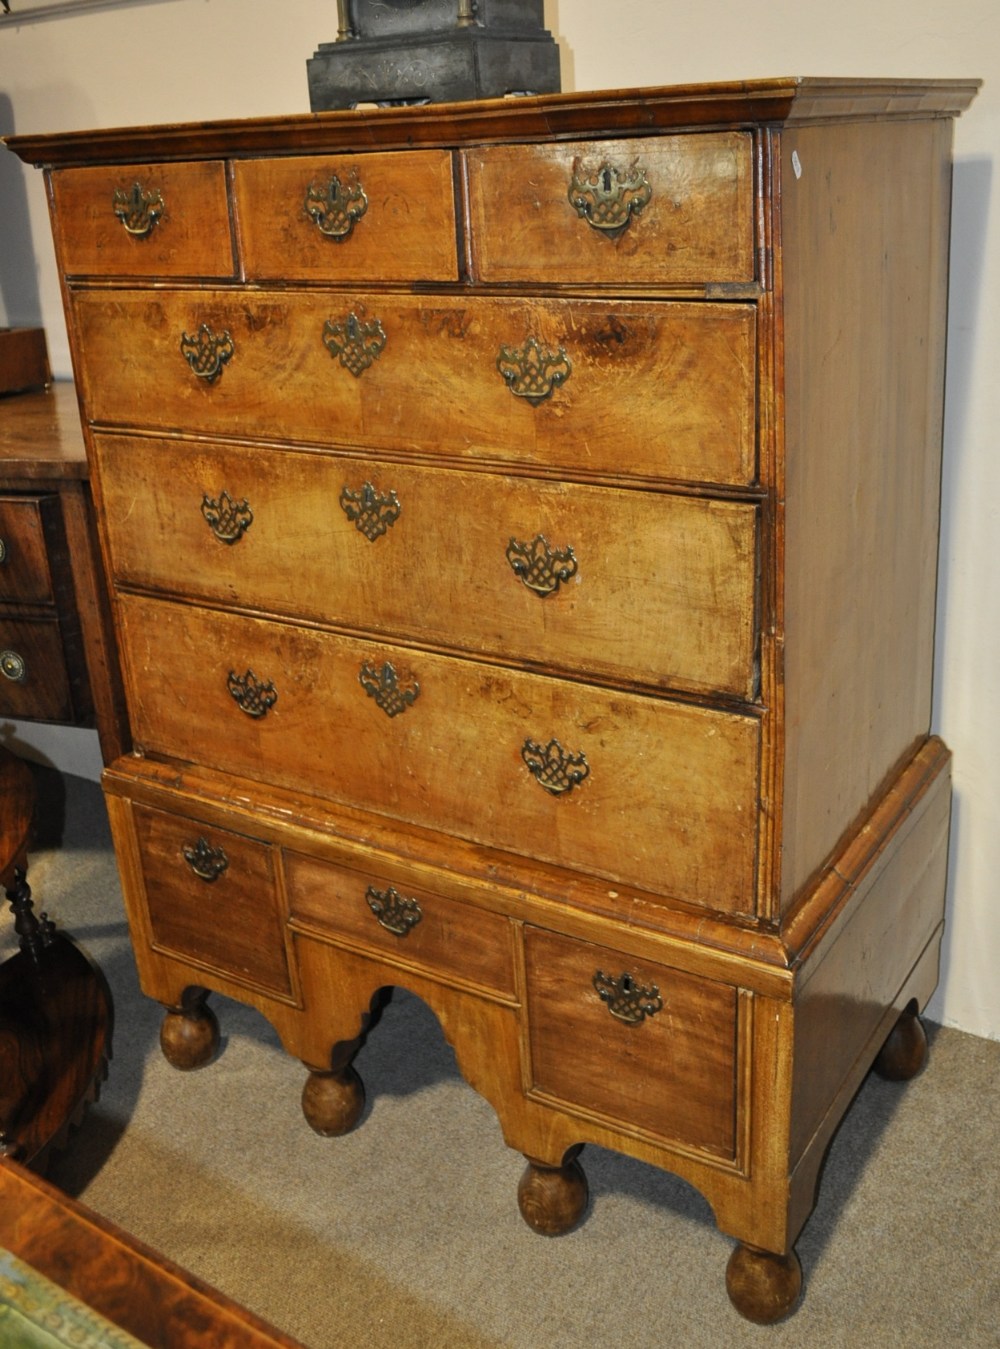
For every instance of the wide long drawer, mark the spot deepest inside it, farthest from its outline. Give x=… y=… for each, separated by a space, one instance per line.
x=631 y=585
x=640 y=388
x=640 y=790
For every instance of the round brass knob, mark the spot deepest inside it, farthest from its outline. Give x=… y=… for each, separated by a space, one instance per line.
x=12 y=667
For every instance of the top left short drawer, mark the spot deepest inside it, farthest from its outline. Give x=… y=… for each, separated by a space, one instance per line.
x=144 y=220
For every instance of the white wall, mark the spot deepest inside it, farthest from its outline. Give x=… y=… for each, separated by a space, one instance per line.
x=191 y=60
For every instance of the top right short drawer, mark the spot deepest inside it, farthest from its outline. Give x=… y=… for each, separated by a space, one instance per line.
x=655 y=211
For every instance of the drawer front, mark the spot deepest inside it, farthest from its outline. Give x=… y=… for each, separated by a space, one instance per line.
x=402 y=922
x=144 y=220
x=212 y=899
x=637 y=789
x=641 y=389
x=677 y=210
x=25 y=576
x=348 y=218
x=630 y=585
x=34 y=680
x=633 y=1041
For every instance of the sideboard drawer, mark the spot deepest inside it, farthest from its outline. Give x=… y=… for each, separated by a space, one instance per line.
x=633 y=1041
x=663 y=796
x=389 y=217
x=25 y=574
x=402 y=922
x=514 y=568
x=34 y=678
x=212 y=899
x=677 y=210
x=664 y=390
x=144 y=220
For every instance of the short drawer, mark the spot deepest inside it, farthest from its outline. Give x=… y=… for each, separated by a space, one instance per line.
x=144 y=220
x=402 y=922
x=26 y=531
x=629 y=585
x=636 y=388
x=675 y=210
x=34 y=676
x=384 y=217
x=212 y=899
x=643 y=791
x=633 y=1041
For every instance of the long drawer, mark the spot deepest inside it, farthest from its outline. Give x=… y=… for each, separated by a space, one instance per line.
x=635 y=388
x=25 y=571
x=34 y=676
x=640 y=790
x=516 y=568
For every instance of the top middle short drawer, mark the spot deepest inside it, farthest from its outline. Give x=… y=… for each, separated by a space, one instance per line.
x=668 y=210
x=389 y=217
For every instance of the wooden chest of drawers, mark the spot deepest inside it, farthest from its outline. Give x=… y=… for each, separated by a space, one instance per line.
x=522 y=521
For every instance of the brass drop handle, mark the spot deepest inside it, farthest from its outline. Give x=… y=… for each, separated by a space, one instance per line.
x=355 y=341
x=253 y=696
x=207 y=353
x=13 y=667
x=553 y=768
x=541 y=569
x=627 y=1000
x=372 y=513
x=228 y=519
x=392 y=694
x=393 y=911
x=138 y=209
x=532 y=372
x=609 y=197
x=336 y=207
x=206 y=862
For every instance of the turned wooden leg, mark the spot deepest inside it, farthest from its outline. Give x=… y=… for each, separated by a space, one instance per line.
x=905 y=1051
x=761 y=1286
x=333 y=1102
x=189 y=1035
x=553 y=1199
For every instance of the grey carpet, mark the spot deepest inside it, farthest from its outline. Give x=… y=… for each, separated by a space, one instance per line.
x=406 y=1233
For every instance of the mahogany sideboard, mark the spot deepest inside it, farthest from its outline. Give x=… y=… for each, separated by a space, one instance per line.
x=522 y=521
x=58 y=658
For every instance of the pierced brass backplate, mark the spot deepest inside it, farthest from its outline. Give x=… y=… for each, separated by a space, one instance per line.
x=206 y=862
x=541 y=568
x=205 y=353
x=396 y=914
x=530 y=372
x=137 y=209
x=384 y=686
x=254 y=696
x=228 y=519
x=609 y=197
x=357 y=344
x=336 y=207
x=553 y=768
x=373 y=513
x=628 y=1001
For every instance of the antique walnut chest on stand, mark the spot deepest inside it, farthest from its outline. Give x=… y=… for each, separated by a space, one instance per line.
x=522 y=524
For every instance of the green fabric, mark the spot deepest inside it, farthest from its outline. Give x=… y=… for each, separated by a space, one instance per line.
x=37 y=1314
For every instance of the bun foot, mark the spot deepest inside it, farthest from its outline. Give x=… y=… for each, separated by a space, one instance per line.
x=332 y=1102
x=189 y=1035
x=553 y=1199
x=905 y=1051
x=761 y=1286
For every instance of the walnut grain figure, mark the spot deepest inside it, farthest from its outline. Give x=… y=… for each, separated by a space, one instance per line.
x=662 y=791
